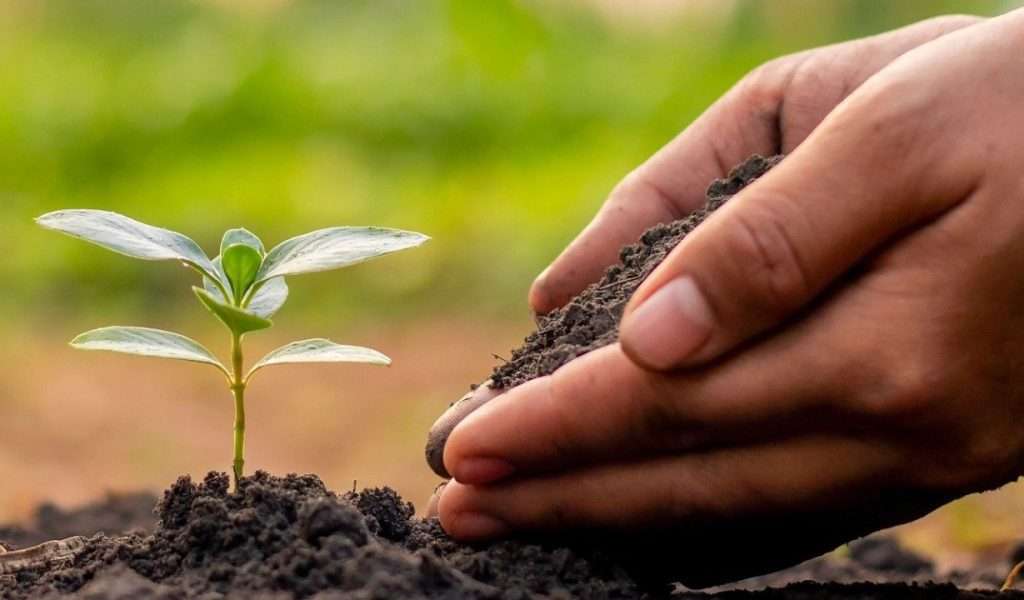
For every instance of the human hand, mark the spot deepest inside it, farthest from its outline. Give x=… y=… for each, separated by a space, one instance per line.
x=889 y=244
x=770 y=111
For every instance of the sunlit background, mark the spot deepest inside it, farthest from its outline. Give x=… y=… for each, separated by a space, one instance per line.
x=496 y=127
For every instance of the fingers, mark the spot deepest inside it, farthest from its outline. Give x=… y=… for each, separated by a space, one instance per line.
x=603 y=407
x=433 y=508
x=772 y=110
x=797 y=474
x=670 y=184
x=855 y=183
x=443 y=426
x=718 y=521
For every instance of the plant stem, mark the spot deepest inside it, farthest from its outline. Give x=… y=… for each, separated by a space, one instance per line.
x=238 y=390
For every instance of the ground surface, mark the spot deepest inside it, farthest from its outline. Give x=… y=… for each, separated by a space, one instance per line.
x=290 y=537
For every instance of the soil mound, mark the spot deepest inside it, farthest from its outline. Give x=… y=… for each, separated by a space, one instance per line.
x=591 y=320
x=281 y=538
x=290 y=537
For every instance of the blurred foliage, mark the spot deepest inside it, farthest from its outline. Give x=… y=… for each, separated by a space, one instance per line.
x=495 y=126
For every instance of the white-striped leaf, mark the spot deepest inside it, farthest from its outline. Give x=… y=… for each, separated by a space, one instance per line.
x=127 y=236
x=143 y=341
x=319 y=350
x=334 y=248
x=269 y=298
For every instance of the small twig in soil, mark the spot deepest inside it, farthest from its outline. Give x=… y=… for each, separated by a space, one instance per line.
x=500 y=357
x=52 y=554
x=622 y=282
x=1012 y=577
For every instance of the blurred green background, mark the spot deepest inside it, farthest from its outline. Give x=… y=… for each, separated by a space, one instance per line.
x=495 y=126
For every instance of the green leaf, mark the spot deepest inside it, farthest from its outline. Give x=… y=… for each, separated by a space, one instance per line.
x=237 y=320
x=319 y=350
x=269 y=298
x=241 y=263
x=142 y=341
x=334 y=248
x=211 y=287
x=241 y=236
x=128 y=237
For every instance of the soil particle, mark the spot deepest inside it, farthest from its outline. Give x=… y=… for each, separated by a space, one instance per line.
x=591 y=320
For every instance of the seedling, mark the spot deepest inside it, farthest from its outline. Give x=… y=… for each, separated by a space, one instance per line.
x=243 y=287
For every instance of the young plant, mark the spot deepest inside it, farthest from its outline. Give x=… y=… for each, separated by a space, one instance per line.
x=243 y=287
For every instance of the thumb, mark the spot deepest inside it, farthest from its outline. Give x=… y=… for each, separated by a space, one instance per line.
x=843 y=193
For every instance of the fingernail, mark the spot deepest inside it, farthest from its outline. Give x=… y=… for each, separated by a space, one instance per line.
x=435 y=499
x=669 y=326
x=442 y=428
x=479 y=471
x=539 y=301
x=478 y=526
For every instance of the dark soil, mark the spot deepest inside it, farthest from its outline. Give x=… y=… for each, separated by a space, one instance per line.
x=284 y=538
x=591 y=320
x=292 y=538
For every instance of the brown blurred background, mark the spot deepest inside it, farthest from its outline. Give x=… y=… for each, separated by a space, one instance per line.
x=495 y=127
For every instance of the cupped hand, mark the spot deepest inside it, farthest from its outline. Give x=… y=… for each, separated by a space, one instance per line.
x=835 y=350
x=770 y=111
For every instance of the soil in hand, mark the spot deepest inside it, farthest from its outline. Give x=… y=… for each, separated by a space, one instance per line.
x=591 y=319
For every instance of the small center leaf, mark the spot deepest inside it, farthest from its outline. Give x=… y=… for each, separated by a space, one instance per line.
x=241 y=262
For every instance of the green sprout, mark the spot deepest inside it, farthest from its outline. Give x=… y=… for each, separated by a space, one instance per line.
x=243 y=287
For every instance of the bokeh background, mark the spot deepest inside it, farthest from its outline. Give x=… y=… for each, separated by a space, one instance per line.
x=496 y=127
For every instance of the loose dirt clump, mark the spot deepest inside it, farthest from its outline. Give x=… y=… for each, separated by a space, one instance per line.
x=290 y=537
x=591 y=319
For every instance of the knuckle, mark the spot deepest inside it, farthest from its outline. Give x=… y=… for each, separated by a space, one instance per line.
x=761 y=244
x=625 y=188
x=705 y=491
x=560 y=392
x=911 y=387
x=662 y=422
x=639 y=187
x=763 y=88
x=883 y=115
